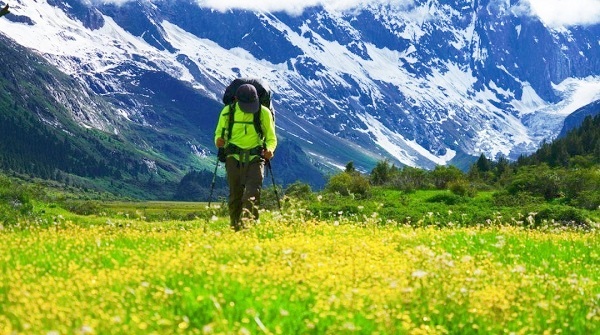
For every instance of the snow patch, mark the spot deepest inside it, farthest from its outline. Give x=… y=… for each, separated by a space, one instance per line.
x=405 y=151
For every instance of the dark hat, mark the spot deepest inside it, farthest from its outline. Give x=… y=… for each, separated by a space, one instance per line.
x=247 y=98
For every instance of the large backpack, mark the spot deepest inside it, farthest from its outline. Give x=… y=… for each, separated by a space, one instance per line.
x=263 y=90
x=264 y=96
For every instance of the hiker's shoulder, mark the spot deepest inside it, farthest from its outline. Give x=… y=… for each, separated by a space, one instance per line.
x=225 y=110
x=264 y=110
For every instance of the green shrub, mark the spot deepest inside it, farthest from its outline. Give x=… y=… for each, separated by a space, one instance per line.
x=587 y=199
x=346 y=184
x=563 y=215
x=271 y=198
x=410 y=179
x=15 y=202
x=382 y=173
x=83 y=207
x=299 y=190
x=539 y=181
x=445 y=198
x=462 y=188
x=441 y=176
x=582 y=188
x=505 y=199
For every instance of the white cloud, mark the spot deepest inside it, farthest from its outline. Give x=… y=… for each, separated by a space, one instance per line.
x=554 y=13
x=294 y=6
x=116 y=2
x=559 y=13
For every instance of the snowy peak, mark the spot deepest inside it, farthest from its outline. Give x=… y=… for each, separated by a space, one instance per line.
x=421 y=83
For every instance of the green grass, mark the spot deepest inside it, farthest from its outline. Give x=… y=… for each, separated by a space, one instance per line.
x=150 y=211
x=288 y=276
x=426 y=262
x=443 y=208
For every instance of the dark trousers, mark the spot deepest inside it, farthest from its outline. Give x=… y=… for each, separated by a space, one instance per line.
x=245 y=183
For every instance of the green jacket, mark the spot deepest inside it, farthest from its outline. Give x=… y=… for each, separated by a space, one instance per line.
x=243 y=133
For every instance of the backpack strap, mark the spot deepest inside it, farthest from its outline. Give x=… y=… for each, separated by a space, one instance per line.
x=258 y=125
x=230 y=120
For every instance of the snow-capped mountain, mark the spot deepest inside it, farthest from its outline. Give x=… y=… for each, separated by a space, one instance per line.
x=425 y=83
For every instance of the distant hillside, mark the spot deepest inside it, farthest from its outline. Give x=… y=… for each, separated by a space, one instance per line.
x=583 y=141
x=576 y=119
x=39 y=135
x=52 y=127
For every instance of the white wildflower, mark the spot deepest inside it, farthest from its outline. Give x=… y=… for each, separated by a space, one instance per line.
x=419 y=274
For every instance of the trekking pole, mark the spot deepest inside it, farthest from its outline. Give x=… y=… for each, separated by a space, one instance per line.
x=220 y=152
x=274 y=186
x=212 y=185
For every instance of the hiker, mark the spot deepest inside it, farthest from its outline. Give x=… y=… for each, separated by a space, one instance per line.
x=245 y=136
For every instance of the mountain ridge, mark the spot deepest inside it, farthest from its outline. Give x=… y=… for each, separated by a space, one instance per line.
x=430 y=84
x=39 y=133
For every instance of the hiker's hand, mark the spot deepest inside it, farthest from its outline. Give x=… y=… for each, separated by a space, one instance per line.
x=220 y=142
x=267 y=154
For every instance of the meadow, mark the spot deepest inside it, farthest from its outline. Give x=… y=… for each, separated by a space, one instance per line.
x=356 y=269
